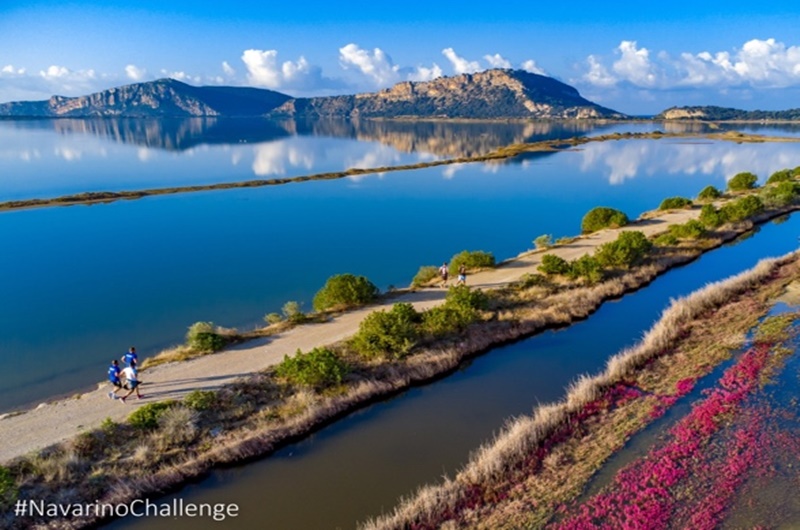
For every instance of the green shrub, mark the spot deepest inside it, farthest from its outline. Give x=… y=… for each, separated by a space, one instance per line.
x=472 y=260
x=543 y=241
x=202 y=337
x=424 y=275
x=343 y=291
x=674 y=203
x=272 y=318
x=8 y=488
x=462 y=297
x=318 y=368
x=710 y=216
x=741 y=209
x=782 y=194
x=586 y=267
x=146 y=417
x=780 y=176
x=442 y=320
x=709 y=193
x=602 y=217
x=200 y=400
x=628 y=249
x=389 y=334
x=552 y=264
x=742 y=181
x=692 y=229
x=666 y=240
x=293 y=313
x=109 y=426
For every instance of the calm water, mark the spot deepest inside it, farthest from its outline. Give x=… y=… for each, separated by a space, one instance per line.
x=86 y=282
x=359 y=466
x=47 y=158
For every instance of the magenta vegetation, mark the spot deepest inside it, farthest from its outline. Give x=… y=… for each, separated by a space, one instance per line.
x=685 y=479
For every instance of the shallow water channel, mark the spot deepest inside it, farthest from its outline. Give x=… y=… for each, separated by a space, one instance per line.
x=360 y=466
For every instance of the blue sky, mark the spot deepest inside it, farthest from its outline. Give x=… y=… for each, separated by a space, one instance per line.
x=637 y=58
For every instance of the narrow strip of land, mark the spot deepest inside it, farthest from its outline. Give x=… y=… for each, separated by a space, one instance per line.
x=503 y=153
x=54 y=422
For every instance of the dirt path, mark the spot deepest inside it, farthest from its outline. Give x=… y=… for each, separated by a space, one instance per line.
x=54 y=422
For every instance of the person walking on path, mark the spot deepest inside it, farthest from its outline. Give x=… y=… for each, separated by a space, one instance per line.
x=130 y=358
x=113 y=375
x=131 y=375
x=462 y=275
x=443 y=272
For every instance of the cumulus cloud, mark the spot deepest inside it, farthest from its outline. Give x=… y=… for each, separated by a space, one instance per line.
x=460 y=65
x=531 y=66
x=135 y=73
x=634 y=64
x=182 y=76
x=228 y=69
x=422 y=73
x=758 y=63
x=10 y=70
x=497 y=61
x=264 y=69
x=376 y=65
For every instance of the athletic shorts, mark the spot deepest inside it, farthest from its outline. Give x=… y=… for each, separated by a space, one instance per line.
x=133 y=384
x=116 y=382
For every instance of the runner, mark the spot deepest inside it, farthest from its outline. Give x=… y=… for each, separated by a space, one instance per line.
x=131 y=375
x=462 y=275
x=113 y=376
x=130 y=358
x=444 y=274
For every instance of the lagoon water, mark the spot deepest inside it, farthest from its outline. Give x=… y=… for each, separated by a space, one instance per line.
x=360 y=466
x=80 y=284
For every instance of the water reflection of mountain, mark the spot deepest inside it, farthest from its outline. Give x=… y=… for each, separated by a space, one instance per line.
x=440 y=138
x=445 y=139
x=168 y=134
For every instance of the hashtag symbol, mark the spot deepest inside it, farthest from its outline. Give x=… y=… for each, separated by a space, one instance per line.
x=21 y=508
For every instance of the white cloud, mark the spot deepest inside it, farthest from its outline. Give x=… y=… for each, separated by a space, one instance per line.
x=135 y=73
x=634 y=64
x=228 y=69
x=531 y=66
x=54 y=72
x=460 y=65
x=182 y=76
x=10 y=70
x=497 y=61
x=376 y=65
x=422 y=73
x=758 y=63
x=598 y=75
x=264 y=70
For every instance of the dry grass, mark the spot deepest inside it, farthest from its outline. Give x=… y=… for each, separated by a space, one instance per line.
x=257 y=415
x=492 y=464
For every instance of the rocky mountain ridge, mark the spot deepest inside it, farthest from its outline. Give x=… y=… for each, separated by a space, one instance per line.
x=713 y=113
x=492 y=94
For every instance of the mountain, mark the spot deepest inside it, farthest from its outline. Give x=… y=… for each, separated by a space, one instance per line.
x=160 y=98
x=712 y=113
x=483 y=95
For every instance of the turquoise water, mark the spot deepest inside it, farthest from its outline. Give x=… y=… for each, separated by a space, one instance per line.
x=359 y=466
x=84 y=283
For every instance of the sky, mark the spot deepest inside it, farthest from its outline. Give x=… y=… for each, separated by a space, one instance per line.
x=635 y=57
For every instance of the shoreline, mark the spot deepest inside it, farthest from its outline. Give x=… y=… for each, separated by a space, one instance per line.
x=529 y=487
x=426 y=366
x=499 y=154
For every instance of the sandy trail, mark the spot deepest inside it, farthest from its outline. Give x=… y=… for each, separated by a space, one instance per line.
x=57 y=421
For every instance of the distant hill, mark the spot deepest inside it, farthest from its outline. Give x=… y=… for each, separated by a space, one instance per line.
x=489 y=94
x=483 y=95
x=712 y=113
x=160 y=98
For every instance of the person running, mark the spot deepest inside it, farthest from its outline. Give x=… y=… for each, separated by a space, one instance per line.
x=462 y=275
x=443 y=272
x=130 y=358
x=113 y=376
x=131 y=375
